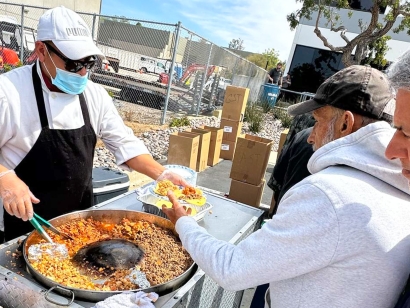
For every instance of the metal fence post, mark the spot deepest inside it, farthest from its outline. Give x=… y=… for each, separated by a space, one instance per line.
x=204 y=80
x=171 y=71
x=235 y=67
x=22 y=35
x=93 y=26
x=250 y=76
x=189 y=51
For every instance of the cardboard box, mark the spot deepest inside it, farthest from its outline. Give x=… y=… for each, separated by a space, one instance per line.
x=246 y=193
x=227 y=149
x=183 y=150
x=231 y=129
x=203 y=150
x=214 y=145
x=282 y=140
x=251 y=159
x=235 y=103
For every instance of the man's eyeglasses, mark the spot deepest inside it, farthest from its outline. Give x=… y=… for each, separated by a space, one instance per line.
x=73 y=66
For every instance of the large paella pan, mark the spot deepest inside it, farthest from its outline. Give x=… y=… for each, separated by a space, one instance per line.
x=166 y=264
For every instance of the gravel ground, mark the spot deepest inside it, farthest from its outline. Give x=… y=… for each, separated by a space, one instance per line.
x=157 y=141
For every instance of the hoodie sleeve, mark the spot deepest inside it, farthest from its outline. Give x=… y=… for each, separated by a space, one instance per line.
x=301 y=238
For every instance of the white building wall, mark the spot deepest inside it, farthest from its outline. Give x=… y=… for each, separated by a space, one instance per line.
x=32 y=15
x=86 y=6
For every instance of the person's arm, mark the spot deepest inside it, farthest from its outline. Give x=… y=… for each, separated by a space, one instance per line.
x=270 y=78
x=15 y=194
x=145 y=164
x=130 y=151
x=301 y=238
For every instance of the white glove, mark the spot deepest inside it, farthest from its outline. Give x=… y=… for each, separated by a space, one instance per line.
x=173 y=177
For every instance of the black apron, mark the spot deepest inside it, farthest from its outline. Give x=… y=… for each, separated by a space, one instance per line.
x=57 y=170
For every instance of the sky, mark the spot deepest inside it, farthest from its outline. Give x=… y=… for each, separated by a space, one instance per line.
x=260 y=23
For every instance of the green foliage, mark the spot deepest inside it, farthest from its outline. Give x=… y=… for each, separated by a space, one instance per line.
x=236 y=44
x=265 y=105
x=116 y=18
x=377 y=53
x=8 y=67
x=269 y=56
x=283 y=116
x=254 y=116
x=111 y=93
x=372 y=33
x=179 y=122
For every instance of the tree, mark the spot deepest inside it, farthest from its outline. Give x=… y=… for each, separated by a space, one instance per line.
x=370 y=33
x=116 y=18
x=236 y=44
x=266 y=60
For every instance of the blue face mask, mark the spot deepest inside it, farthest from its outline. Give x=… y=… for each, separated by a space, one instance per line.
x=70 y=83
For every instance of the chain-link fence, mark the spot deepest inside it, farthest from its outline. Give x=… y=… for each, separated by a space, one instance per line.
x=154 y=70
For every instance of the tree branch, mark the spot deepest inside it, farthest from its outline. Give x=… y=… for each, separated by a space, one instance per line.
x=372 y=25
x=389 y=24
x=320 y=35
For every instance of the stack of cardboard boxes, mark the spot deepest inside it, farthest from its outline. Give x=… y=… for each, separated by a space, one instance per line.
x=233 y=112
x=248 y=169
x=195 y=148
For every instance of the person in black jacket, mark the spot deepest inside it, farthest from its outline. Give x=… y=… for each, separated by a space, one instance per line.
x=281 y=173
x=291 y=166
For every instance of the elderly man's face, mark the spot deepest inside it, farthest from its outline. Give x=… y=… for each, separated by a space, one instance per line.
x=399 y=146
x=324 y=130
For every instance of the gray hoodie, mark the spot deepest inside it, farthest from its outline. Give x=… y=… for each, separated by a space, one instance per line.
x=341 y=237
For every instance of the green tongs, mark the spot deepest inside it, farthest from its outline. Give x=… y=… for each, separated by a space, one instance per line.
x=38 y=222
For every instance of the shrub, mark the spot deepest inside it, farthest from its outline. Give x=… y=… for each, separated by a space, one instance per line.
x=9 y=67
x=254 y=116
x=179 y=122
x=282 y=115
x=111 y=93
x=265 y=105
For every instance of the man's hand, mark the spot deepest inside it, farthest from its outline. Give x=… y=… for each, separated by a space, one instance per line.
x=173 y=177
x=177 y=211
x=17 y=197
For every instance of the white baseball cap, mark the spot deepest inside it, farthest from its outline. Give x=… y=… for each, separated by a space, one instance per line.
x=69 y=33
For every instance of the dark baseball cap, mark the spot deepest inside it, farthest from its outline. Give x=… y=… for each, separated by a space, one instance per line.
x=357 y=88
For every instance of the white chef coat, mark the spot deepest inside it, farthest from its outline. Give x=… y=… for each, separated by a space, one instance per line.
x=20 y=124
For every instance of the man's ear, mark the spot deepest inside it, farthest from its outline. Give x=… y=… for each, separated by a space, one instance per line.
x=40 y=50
x=347 y=124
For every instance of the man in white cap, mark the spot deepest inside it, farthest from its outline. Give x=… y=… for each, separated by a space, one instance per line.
x=50 y=117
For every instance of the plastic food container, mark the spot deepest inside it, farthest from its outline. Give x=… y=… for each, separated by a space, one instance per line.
x=187 y=173
x=149 y=206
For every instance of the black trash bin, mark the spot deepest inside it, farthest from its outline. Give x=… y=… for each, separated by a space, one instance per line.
x=108 y=183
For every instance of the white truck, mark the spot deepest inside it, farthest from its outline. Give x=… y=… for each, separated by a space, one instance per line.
x=136 y=62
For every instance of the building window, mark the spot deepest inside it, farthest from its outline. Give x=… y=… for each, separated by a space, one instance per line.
x=364 y=5
x=361 y=5
x=311 y=66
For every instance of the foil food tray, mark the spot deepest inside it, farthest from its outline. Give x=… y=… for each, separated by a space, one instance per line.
x=149 y=205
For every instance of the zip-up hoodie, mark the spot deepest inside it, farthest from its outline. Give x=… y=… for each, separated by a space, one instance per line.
x=341 y=237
